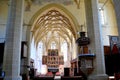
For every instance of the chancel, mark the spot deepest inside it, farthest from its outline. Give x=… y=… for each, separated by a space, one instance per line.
x=39 y=40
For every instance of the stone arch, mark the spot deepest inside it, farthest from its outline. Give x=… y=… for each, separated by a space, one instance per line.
x=36 y=16
x=60 y=7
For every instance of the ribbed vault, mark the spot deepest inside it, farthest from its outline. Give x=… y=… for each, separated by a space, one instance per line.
x=53 y=25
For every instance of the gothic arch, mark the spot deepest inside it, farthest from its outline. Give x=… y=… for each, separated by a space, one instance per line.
x=60 y=8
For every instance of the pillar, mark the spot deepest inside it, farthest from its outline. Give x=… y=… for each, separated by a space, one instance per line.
x=94 y=33
x=28 y=59
x=69 y=54
x=12 y=52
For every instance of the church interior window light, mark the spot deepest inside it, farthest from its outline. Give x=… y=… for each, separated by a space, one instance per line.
x=64 y=50
x=53 y=45
x=102 y=16
x=39 y=58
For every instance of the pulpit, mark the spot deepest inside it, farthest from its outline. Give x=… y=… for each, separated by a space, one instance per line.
x=86 y=62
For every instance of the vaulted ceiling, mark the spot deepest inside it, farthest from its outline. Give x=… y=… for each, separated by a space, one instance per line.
x=53 y=26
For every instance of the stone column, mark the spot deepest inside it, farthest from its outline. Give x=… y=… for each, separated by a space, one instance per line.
x=117 y=11
x=12 y=53
x=77 y=53
x=68 y=56
x=94 y=33
x=27 y=60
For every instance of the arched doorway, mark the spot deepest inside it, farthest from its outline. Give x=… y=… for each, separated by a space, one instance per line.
x=53 y=29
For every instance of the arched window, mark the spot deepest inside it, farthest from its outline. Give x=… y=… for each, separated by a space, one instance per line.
x=102 y=16
x=39 y=57
x=64 y=50
x=53 y=45
x=41 y=47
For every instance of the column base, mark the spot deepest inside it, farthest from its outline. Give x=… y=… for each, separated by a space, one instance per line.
x=13 y=78
x=98 y=77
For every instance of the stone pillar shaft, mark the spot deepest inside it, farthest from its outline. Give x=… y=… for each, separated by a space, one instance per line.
x=12 y=53
x=94 y=33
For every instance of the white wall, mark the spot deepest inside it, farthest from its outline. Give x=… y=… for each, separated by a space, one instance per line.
x=110 y=26
x=3 y=19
